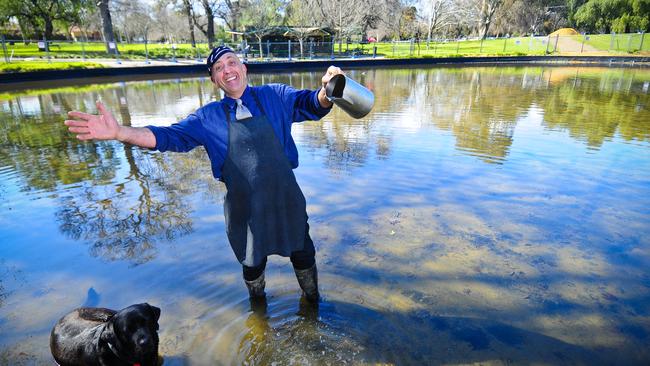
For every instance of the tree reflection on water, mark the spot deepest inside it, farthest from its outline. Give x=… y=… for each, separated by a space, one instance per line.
x=117 y=198
x=480 y=206
x=123 y=216
x=488 y=102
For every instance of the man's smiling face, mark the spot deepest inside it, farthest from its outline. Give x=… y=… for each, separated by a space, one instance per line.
x=230 y=75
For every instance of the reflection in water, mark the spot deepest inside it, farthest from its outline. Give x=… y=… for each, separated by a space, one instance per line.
x=477 y=215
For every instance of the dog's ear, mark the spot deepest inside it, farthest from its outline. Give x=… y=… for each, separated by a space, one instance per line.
x=154 y=310
x=108 y=335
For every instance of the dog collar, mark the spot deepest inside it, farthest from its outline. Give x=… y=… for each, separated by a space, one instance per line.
x=112 y=348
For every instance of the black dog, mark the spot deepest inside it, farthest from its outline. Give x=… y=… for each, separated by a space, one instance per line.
x=97 y=336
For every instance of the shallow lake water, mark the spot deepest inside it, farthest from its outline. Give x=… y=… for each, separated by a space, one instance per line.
x=494 y=215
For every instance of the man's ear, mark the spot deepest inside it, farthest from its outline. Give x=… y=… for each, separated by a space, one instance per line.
x=245 y=68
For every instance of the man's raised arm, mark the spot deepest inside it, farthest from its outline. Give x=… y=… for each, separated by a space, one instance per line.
x=104 y=126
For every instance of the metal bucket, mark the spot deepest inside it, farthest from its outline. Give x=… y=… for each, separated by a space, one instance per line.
x=352 y=97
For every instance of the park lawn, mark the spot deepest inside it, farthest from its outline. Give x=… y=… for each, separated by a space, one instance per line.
x=26 y=66
x=489 y=47
x=616 y=42
x=98 y=49
x=621 y=42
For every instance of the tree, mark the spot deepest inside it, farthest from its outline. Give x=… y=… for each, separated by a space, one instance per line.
x=42 y=14
x=208 y=28
x=189 y=13
x=439 y=14
x=572 y=7
x=478 y=14
x=408 y=23
x=262 y=14
x=529 y=16
x=230 y=11
x=299 y=17
x=107 y=25
x=614 y=15
x=488 y=8
x=345 y=16
x=133 y=19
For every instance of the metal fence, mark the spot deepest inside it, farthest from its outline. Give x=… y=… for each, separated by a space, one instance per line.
x=631 y=43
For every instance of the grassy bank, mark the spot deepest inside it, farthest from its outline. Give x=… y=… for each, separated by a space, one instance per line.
x=26 y=56
x=494 y=47
x=26 y=66
x=617 y=43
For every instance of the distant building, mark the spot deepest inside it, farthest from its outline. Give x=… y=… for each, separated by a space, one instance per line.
x=306 y=41
x=286 y=33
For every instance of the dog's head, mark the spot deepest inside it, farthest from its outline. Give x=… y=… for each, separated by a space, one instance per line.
x=132 y=334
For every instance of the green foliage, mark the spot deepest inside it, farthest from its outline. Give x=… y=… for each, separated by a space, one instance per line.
x=572 y=7
x=41 y=15
x=263 y=13
x=619 y=16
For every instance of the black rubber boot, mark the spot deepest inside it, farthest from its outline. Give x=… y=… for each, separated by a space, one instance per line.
x=258 y=305
x=256 y=287
x=308 y=281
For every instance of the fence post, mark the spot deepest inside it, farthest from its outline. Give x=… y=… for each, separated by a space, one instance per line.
x=268 y=48
x=311 y=49
x=548 y=43
x=393 y=48
x=4 y=48
x=146 y=51
x=117 y=54
x=47 y=50
x=457 y=46
x=173 y=52
x=530 y=42
x=557 y=38
x=83 y=51
x=584 y=38
x=289 y=53
x=481 y=48
x=641 y=45
x=505 y=43
x=374 y=50
x=611 y=42
x=333 y=44
x=629 y=43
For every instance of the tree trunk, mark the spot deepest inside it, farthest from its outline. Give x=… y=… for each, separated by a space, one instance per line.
x=210 y=15
x=107 y=25
x=487 y=12
x=49 y=28
x=188 y=13
x=234 y=11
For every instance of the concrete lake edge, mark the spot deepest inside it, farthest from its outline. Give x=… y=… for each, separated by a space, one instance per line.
x=8 y=81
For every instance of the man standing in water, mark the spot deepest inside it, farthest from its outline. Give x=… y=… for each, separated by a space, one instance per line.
x=247 y=136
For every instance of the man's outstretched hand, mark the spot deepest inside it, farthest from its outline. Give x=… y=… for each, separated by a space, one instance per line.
x=102 y=126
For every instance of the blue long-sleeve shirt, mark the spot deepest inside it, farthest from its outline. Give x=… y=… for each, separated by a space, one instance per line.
x=208 y=125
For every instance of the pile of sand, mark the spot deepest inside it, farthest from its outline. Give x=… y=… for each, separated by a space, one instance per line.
x=565 y=32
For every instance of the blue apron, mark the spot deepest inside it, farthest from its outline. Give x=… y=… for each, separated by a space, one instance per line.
x=264 y=209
